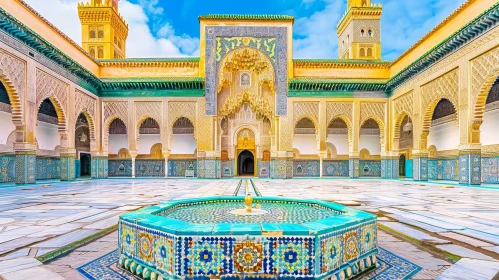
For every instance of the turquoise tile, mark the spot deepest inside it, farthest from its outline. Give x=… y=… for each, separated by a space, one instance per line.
x=132 y=217
x=222 y=229
x=243 y=229
x=294 y=229
x=318 y=228
x=197 y=229
x=270 y=227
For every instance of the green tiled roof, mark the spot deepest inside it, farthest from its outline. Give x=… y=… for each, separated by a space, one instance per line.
x=246 y=17
x=349 y=61
x=167 y=83
x=466 y=34
x=333 y=85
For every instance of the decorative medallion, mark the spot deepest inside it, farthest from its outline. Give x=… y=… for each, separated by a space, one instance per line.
x=368 y=238
x=248 y=256
x=351 y=245
x=164 y=254
x=332 y=253
x=292 y=257
x=145 y=246
x=127 y=239
x=206 y=257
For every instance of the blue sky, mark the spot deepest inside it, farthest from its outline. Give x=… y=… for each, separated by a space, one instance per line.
x=164 y=28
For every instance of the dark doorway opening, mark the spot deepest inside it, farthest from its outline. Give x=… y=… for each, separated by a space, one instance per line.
x=246 y=163
x=402 y=166
x=85 y=161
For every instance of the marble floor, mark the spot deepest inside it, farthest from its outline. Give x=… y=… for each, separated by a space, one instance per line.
x=450 y=220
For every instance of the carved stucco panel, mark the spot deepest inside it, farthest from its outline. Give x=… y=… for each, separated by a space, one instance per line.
x=335 y=109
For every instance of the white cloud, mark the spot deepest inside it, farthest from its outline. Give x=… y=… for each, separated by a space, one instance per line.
x=315 y=36
x=403 y=24
x=141 y=41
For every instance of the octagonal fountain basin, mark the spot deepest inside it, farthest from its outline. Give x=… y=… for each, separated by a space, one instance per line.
x=220 y=238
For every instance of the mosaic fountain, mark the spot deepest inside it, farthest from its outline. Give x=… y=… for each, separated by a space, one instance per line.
x=247 y=238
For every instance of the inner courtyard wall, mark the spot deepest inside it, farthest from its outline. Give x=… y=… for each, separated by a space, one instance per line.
x=463 y=77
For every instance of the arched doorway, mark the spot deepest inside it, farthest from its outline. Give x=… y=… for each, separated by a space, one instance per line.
x=402 y=166
x=82 y=144
x=85 y=161
x=246 y=164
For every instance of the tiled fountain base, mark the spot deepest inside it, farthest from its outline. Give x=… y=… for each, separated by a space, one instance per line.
x=390 y=266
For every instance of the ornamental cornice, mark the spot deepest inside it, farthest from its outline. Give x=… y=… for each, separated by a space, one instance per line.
x=334 y=85
x=341 y=63
x=373 y=12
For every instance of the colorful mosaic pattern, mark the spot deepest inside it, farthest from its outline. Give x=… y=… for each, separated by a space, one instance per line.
x=227 y=44
x=220 y=212
x=292 y=256
x=149 y=168
x=335 y=168
x=177 y=168
x=48 y=168
x=7 y=169
x=370 y=168
x=264 y=169
x=198 y=238
x=443 y=170
x=490 y=170
x=306 y=168
x=119 y=168
x=278 y=33
x=390 y=267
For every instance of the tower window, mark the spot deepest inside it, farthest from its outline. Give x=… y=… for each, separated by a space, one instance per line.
x=364 y=3
x=92 y=52
x=101 y=53
x=369 y=52
x=101 y=34
x=362 y=52
x=370 y=32
x=348 y=39
x=362 y=33
x=92 y=34
x=343 y=44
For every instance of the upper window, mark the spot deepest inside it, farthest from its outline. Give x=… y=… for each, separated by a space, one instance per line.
x=370 y=33
x=101 y=34
x=362 y=52
x=362 y=33
x=369 y=52
x=92 y=34
x=92 y=52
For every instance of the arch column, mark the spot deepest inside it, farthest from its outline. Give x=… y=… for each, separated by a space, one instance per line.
x=420 y=165
x=25 y=163
x=166 y=155
x=133 y=154
x=390 y=165
x=470 y=162
x=100 y=165
x=68 y=157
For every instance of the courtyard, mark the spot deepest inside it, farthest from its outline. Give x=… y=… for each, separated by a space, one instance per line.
x=51 y=230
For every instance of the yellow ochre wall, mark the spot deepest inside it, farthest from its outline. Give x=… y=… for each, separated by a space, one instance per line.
x=468 y=11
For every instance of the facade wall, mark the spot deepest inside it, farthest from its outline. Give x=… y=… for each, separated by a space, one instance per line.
x=460 y=77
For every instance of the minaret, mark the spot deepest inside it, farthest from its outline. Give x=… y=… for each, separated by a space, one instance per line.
x=104 y=31
x=359 y=31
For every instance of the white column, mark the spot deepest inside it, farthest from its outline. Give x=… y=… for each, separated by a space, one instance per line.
x=166 y=167
x=133 y=167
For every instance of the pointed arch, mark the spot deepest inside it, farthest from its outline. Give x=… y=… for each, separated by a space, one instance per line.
x=347 y=122
x=479 y=109
x=398 y=122
x=107 y=126
x=427 y=119
x=381 y=128
x=15 y=100
x=311 y=118
x=59 y=109
x=91 y=123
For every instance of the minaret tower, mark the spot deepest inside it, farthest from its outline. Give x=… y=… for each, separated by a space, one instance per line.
x=104 y=31
x=359 y=31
